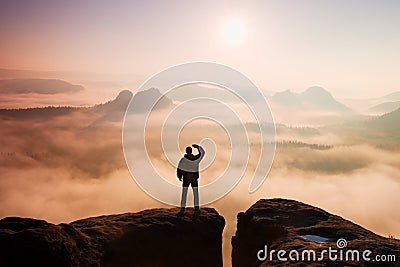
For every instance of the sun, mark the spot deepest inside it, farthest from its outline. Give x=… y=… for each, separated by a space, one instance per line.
x=233 y=31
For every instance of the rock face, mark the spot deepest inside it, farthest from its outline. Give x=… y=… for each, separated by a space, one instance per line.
x=314 y=98
x=113 y=111
x=142 y=99
x=154 y=237
x=287 y=225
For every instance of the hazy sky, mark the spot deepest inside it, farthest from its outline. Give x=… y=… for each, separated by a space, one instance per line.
x=349 y=47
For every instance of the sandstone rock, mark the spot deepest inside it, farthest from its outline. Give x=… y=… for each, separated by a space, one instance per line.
x=155 y=237
x=287 y=225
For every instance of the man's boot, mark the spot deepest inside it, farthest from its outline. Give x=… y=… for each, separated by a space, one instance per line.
x=181 y=212
x=196 y=209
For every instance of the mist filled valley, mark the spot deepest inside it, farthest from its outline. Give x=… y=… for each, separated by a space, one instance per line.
x=66 y=163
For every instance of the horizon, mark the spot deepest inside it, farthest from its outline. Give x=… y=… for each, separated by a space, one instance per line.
x=79 y=77
x=89 y=94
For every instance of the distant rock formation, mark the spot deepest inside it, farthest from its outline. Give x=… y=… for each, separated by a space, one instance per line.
x=385 y=107
x=111 y=111
x=395 y=96
x=118 y=104
x=149 y=96
x=388 y=123
x=283 y=224
x=38 y=86
x=314 y=98
x=155 y=237
x=114 y=110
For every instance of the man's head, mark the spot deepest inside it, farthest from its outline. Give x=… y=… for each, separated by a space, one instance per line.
x=188 y=150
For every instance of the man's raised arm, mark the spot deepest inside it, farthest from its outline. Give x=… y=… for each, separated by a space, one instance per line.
x=201 y=151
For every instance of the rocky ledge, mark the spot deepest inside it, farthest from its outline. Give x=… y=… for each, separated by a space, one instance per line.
x=281 y=224
x=155 y=237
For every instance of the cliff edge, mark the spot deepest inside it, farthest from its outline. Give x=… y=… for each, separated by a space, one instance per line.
x=155 y=237
x=287 y=225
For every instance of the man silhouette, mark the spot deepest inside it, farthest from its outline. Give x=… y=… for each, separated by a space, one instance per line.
x=188 y=170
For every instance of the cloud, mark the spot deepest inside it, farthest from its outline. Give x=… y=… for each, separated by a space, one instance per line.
x=337 y=160
x=62 y=141
x=60 y=167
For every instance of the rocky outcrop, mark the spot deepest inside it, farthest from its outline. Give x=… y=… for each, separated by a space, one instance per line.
x=112 y=111
x=155 y=237
x=281 y=224
x=142 y=100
